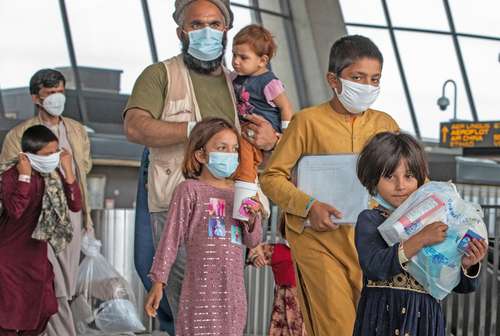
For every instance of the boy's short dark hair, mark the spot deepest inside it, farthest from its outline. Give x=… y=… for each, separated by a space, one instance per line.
x=35 y=138
x=48 y=78
x=349 y=49
x=381 y=155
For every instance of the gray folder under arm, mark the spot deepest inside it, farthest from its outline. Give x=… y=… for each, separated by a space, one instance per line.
x=332 y=179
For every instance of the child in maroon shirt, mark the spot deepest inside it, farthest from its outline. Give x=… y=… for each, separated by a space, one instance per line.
x=286 y=318
x=27 y=298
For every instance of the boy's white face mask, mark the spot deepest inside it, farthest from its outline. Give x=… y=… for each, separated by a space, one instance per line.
x=356 y=97
x=44 y=163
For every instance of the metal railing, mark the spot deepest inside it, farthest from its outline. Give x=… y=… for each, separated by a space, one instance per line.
x=477 y=313
x=259 y=283
x=115 y=229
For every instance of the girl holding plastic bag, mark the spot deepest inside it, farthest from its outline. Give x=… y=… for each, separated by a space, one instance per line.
x=213 y=292
x=35 y=201
x=393 y=166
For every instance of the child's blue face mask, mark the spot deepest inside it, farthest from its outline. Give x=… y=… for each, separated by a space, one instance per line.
x=383 y=202
x=205 y=44
x=222 y=164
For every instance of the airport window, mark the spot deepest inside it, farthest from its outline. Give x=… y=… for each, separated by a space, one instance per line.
x=102 y=42
x=29 y=42
x=432 y=42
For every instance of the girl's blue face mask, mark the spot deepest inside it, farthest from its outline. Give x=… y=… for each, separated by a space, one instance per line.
x=205 y=44
x=383 y=202
x=222 y=164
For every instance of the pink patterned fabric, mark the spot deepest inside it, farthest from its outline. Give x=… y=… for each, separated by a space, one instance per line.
x=272 y=90
x=213 y=300
x=286 y=317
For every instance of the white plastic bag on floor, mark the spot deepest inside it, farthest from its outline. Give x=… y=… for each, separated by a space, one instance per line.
x=104 y=302
x=437 y=268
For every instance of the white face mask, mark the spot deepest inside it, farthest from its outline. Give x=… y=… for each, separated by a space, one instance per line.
x=356 y=97
x=54 y=104
x=44 y=163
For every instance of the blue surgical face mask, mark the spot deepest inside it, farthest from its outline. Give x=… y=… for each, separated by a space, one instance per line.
x=381 y=201
x=222 y=164
x=205 y=44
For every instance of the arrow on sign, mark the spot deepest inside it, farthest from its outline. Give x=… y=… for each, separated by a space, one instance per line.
x=444 y=133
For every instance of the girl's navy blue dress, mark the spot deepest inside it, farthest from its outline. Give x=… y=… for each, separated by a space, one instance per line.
x=392 y=301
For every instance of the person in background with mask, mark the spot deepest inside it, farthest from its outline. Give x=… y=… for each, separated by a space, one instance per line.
x=47 y=93
x=36 y=199
x=329 y=277
x=170 y=97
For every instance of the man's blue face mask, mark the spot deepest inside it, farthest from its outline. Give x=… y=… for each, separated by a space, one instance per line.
x=205 y=44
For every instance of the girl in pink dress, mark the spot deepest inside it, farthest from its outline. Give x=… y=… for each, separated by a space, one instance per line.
x=213 y=300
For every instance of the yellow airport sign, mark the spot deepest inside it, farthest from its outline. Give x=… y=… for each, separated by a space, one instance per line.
x=469 y=134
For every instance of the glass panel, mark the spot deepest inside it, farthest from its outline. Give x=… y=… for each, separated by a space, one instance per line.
x=242 y=2
x=28 y=46
x=363 y=11
x=392 y=98
x=476 y=17
x=242 y=18
x=481 y=59
x=164 y=28
x=271 y=5
x=418 y=14
x=120 y=45
x=281 y=64
x=426 y=73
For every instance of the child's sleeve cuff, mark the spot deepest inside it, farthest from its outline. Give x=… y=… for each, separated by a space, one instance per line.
x=309 y=205
x=474 y=269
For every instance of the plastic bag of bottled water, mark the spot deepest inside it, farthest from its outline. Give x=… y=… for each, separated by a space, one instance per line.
x=437 y=268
